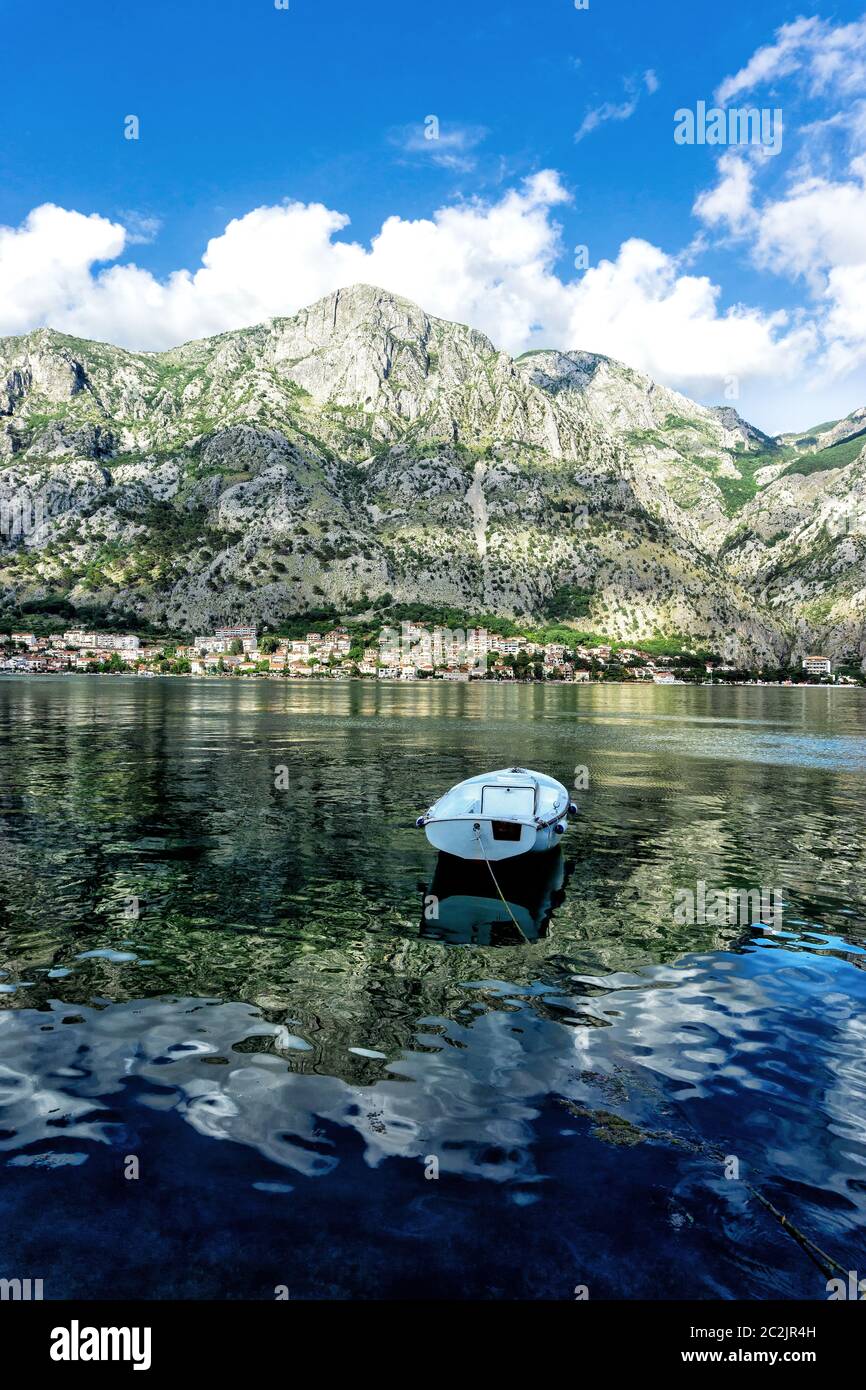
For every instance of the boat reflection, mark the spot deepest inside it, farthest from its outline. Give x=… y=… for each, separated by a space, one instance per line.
x=463 y=908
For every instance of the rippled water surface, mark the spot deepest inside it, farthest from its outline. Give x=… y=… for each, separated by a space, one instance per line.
x=288 y=1014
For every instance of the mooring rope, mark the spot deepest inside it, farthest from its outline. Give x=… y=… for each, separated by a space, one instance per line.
x=819 y=1257
x=496 y=885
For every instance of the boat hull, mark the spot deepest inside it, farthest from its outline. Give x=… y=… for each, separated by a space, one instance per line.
x=477 y=839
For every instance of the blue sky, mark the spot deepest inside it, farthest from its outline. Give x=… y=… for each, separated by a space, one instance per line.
x=555 y=131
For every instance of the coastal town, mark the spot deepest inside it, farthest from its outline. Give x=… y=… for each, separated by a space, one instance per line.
x=414 y=651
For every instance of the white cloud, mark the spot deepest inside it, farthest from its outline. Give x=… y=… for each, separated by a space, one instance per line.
x=730 y=202
x=825 y=57
x=816 y=225
x=491 y=264
x=141 y=229
x=811 y=225
x=450 y=147
x=617 y=111
x=775 y=60
x=45 y=264
x=642 y=309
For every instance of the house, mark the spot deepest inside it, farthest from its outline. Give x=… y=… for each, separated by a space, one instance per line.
x=554 y=653
x=338 y=640
x=247 y=636
x=817 y=666
x=75 y=637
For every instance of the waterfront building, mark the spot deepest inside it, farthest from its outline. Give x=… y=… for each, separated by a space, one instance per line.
x=817 y=665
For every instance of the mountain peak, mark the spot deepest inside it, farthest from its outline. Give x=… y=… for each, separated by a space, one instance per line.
x=351 y=305
x=739 y=430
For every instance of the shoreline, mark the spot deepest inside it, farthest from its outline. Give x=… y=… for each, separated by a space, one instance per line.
x=430 y=680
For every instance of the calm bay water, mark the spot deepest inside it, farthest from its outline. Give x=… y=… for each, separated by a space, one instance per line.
x=245 y=989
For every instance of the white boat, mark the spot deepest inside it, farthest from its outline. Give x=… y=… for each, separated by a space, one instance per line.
x=499 y=815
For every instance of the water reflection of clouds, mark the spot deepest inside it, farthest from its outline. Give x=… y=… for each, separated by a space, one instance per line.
x=454 y=1102
x=717 y=1032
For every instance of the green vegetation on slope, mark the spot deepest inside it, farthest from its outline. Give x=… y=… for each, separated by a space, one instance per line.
x=736 y=492
x=837 y=456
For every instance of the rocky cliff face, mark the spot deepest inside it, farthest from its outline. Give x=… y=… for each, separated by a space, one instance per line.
x=362 y=449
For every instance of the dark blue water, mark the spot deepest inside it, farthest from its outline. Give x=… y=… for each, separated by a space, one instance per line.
x=233 y=988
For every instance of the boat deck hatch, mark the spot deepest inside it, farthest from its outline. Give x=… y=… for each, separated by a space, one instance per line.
x=506 y=829
x=508 y=801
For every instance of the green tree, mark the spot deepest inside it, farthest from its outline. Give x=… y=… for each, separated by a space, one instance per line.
x=521 y=663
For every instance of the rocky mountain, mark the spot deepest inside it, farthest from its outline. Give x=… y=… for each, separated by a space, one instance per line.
x=363 y=452
x=826 y=435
